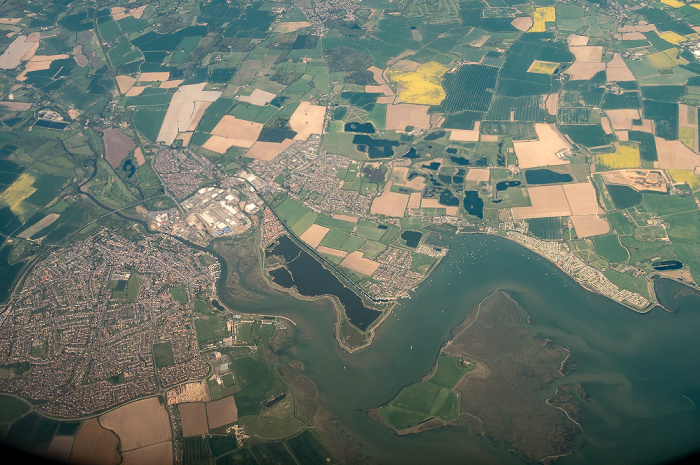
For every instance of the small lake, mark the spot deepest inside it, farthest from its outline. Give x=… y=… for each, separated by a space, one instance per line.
x=545 y=176
x=129 y=168
x=365 y=128
x=662 y=265
x=676 y=297
x=503 y=185
x=375 y=148
x=312 y=279
x=412 y=238
x=473 y=204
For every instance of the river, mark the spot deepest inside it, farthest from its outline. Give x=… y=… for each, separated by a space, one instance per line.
x=640 y=369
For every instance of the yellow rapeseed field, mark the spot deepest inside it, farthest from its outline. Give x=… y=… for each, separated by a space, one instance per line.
x=687 y=136
x=673 y=3
x=664 y=60
x=421 y=86
x=672 y=37
x=542 y=67
x=542 y=15
x=687 y=177
x=19 y=190
x=627 y=156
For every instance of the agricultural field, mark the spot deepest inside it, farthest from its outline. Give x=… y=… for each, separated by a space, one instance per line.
x=361 y=136
x=432 y=398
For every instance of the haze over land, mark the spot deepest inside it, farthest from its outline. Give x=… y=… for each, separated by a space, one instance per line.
x=242 y=231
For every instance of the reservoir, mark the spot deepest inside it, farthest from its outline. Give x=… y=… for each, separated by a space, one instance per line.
x=637 y=368
x=545 y=176
x=312 y=279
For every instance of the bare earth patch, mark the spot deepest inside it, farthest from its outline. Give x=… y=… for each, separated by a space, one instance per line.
x=478 y=174
x=186 y=108
x=617 y=70
x=378 y=74
x=414 y=201
x=307 y=119
x=258 y=97
x=291 y=26
x=674 y=155
x=383 y=89
x=607 y=127
x=407 y=114
x=522 y=23
x=582 y=198
x=314 y=235
x=356 y=262
x=464 y=135
x=551 y=102
x=590 y=225
x=59 y=448
x=406 y=65
x=267 y=151
x=194 y=419
x=156 y=454
x=547 y=201
x=622 y=119
x=647 y=180
x=334 y=252
x=222 y=412
x=39 y=225
x=577 y=41
x=125 y=83
x=389 y=203
x=138 y=155
x=139 y=424
x=584 y=71
x=95 y=445
x=587 y=53
x=155 y=76
x=350 y=218
x=117 y=145
x=170 y=83
x=13 y=54
x=542 y=152
x=134 y=91
x=16 y=106
x=240 y=132
x=435 y=203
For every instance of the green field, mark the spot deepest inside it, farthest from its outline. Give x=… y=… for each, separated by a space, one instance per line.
x=421 y=263
x=179 y=294
x=352 y=243
x=290 y=211
x=11 y=408
x=148 y=122
x=629 y=282
x=432 y=398
x=334 y=239
x=209 y=329
x=609 y=247
x=132 y=288
x=258 y=380
x=450 y=371
x=369 y=230
x=163 y=354
x=329 y=222
x=304 y=223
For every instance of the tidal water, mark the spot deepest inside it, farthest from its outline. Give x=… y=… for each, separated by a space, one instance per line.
x=640 y=370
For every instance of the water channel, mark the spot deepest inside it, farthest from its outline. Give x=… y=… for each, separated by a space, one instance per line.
x=640 y=370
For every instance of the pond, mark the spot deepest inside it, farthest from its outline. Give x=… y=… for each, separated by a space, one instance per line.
x=366 y=128
x=545 y=176
x=473 y=204
x=312 y=279
x=412 y=238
